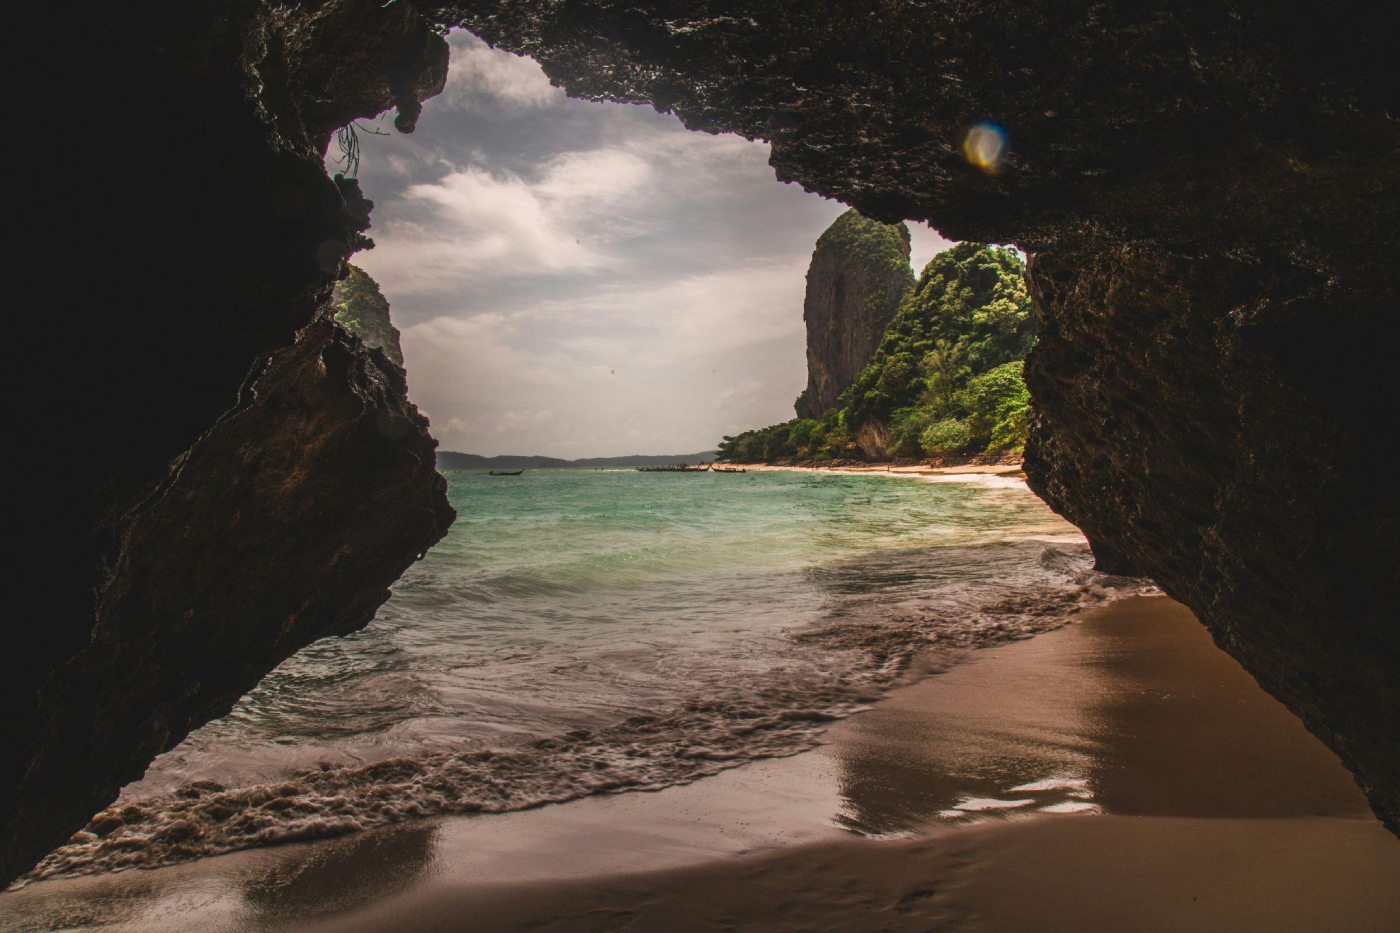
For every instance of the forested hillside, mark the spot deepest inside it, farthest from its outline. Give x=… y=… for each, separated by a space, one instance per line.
x=944 y=381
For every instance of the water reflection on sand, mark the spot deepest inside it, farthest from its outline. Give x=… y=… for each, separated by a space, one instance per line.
x=1136 y=714
x=1132 y=712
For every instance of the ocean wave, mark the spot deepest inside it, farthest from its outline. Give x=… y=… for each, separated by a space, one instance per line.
x=821 y=673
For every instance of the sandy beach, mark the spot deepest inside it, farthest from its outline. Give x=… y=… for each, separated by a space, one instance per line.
x=875 y=469
x=1119 y=773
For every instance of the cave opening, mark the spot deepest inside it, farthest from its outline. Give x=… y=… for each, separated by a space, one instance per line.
x=577 y=279
x=582 y=280
x=585 y=279
x=1207 y=194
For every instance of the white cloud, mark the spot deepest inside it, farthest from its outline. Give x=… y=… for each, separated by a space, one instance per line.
x=562 y=219
x=668 y=364
x=475 y=222
x=695 y=317
x=592 y=176
x=924 y=243
x=579 y=279
x=509 y=426
x=479 y=75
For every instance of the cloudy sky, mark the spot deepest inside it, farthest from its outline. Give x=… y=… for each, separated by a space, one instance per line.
x=582 y=279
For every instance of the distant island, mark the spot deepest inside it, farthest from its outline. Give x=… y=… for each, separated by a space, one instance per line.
x=452 y=460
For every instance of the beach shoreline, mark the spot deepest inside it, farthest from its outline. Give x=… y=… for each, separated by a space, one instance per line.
x=1156 y=821
x=1014 y=470
x=1119 y=772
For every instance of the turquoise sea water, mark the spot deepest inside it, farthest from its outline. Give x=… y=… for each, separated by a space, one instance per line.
x=583 y=631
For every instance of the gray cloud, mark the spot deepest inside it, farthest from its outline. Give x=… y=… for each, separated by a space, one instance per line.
x=582 y=279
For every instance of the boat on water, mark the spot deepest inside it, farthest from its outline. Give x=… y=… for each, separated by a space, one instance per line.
x=505 y=472
x=729 y=469
x=675 y=468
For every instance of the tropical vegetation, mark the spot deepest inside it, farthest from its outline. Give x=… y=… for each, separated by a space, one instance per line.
x=944 y=381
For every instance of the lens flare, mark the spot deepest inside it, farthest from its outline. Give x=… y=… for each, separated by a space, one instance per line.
x=984 y=145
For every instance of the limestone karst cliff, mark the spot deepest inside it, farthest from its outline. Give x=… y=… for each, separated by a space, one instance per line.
x=363 y=310
x=859 y=272
x=1210 y=194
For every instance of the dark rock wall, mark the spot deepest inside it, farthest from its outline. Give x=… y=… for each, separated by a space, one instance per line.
x=221 y=477
x=1210 y=425
x=287 y=521
x=1209 y=192
x=859 y=273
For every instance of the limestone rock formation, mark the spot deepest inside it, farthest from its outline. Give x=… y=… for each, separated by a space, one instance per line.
x=363 y=310
x=859 y=272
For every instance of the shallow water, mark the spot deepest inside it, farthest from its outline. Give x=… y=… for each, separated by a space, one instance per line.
x=583 y=632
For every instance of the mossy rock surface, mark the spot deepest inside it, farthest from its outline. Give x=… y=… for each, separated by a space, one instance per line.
x=363 y=310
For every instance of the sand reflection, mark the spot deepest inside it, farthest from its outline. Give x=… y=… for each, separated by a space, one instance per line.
x=1133 y=711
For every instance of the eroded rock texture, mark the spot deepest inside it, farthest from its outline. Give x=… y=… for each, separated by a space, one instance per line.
x=1209 y=191
x=859 y=273
x=224 y=474
x=1209 y=424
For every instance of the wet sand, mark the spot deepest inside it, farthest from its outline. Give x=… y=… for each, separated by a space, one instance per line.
x=1120 y=773
x=1106 y=873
